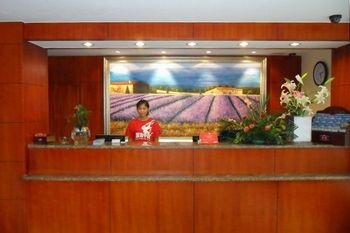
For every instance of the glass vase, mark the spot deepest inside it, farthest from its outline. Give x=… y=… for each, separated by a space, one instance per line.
x=80 y=136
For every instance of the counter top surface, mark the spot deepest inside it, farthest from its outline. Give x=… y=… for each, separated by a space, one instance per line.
x=187 y=145
x=212 y=178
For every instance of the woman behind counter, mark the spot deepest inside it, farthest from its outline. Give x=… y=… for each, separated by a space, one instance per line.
x=143 y=128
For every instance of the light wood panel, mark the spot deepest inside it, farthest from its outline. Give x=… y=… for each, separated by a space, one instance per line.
x=313 y=160
x=12 y=216
x=184 y=31
x=69 y=207
x=233 y=161
x=150 y=31
x=11 y=103
x=152 y=207
x=313 y=31
x=231 y=207
x=75 y=80
x=309 y=207
x=271 y=31
x=12 y=143
x=11 y=32
x=11 y=184
x=278 y=68
x=65 y=31
x=10 y=69
x=69 y=161
x=35 y=66
x=36 y=107
x=341 y=70
x=92 y=97
x=152 y=161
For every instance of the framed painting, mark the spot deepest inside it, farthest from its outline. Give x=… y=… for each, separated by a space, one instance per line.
x=187 y=95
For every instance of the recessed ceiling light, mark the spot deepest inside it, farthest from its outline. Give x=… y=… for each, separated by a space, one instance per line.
x=243 y=44
x=208 y=52
x=294 y=44
x=163 y=52
x=88 y=44
x=140 y=44
x=192 y=43
x=254 y=52
x=117 y=51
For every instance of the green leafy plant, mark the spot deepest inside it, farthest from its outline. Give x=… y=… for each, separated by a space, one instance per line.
x=259 y=127
x=80 y=117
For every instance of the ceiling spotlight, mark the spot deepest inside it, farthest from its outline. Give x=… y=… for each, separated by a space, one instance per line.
x=88 y=44
x=208 y=52
x=254 y=52
x=243 y=44
x=192 y=44
x=163 y=52
x=294 y=44
x=140 y=44
x=117 y=51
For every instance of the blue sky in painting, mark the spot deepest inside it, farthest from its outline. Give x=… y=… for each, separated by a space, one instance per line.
x=188 y=74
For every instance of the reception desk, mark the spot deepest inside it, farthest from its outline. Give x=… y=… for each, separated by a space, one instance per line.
x=185 y=187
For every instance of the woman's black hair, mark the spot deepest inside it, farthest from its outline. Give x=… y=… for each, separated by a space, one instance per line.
x=143 y=102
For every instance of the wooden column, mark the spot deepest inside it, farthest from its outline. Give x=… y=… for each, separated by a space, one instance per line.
x=24 y=111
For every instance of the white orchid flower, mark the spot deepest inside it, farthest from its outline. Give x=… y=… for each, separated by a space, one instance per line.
x=308 y=110
x=285 y=97
x=299 y=79
x=321 y=95
x=290 y=85
x=303 y=100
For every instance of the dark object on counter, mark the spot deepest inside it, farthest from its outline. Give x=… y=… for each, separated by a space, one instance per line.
x=331 y=126
x=40 y=138
x=227 y=135
x=109 y=137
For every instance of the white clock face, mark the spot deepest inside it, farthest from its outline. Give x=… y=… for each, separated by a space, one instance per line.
x=320 y=73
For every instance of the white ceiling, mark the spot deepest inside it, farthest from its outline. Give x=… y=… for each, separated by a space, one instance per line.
x=172 y=10
x=175 y=11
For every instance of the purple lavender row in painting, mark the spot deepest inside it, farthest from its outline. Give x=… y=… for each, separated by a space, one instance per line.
x=122 y=97
x=168 y=112
x=119 y=107
x=221 y=108
x=123 y=101
x=196 y=112
x=126 y=112
x=183 y=108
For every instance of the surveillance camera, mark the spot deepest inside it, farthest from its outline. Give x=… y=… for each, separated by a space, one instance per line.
x=335 y=18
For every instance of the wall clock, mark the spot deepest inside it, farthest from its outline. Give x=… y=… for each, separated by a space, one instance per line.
x=320 y=73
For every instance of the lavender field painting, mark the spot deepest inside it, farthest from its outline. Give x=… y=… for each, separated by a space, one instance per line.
x=186 y=97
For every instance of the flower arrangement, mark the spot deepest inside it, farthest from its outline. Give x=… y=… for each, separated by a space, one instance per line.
x=259 y=127
x=297 y=102
x=80 y=116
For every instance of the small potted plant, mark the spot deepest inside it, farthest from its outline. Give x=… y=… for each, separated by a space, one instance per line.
x=80 y=133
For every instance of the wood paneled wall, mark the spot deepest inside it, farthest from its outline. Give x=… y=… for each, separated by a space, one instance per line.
x=278 y=68
x=80 y=80
x=192 y=207
x=204 y=207
x=186 y=31
x=23 y=83
x=24 y=111
x=341 y=72
x=74 y=80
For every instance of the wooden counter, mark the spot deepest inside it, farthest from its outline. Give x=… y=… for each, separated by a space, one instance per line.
x=174 y=187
